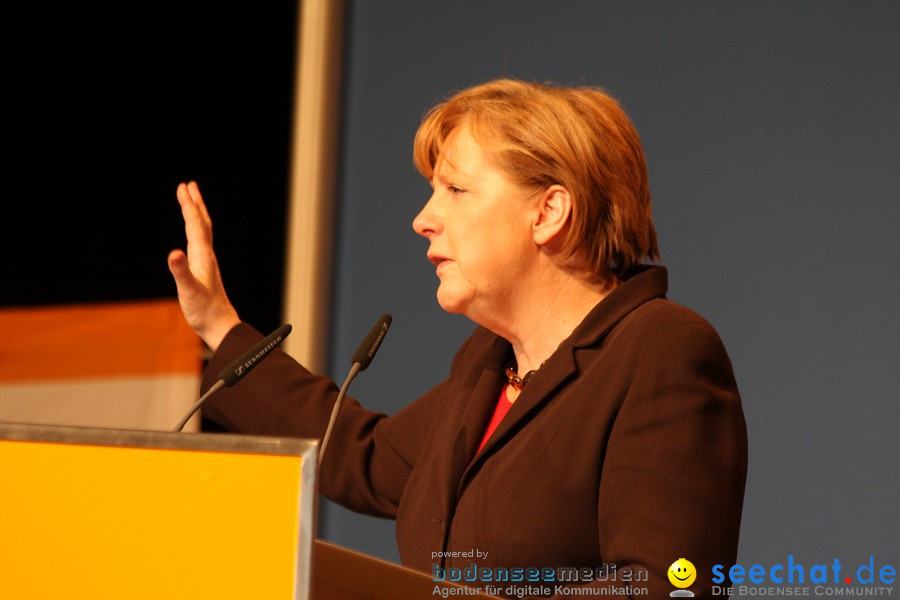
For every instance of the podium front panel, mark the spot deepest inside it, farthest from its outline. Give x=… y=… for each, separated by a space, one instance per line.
x=94 y=513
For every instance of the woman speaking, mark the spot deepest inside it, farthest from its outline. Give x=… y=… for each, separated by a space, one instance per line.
x=587 y=422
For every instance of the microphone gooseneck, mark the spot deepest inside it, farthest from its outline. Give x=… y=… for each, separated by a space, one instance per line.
x=361 y=359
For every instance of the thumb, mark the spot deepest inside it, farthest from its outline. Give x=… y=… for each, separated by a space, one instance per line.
x=178 y=265
x=181 y=271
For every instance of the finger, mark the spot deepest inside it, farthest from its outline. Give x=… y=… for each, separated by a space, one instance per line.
x=194 y=191
x=188 y=206
x=197 y=228
x=196 y=271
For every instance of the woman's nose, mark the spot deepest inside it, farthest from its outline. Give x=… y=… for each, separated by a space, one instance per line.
x=427 y=222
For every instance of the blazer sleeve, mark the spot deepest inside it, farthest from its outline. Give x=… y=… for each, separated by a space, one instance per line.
x=370 y=456
x=673 y=477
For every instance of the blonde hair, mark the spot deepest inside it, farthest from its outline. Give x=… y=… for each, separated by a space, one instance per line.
x=576 y=137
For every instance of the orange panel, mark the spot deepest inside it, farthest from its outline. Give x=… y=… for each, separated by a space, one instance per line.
x=96 y=340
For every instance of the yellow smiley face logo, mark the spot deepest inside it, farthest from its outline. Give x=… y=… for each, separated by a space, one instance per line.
x=682 y=573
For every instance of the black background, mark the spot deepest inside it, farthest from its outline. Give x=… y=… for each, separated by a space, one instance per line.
x=108 y=110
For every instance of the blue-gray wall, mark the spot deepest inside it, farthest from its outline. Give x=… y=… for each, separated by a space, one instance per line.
x=771 y=131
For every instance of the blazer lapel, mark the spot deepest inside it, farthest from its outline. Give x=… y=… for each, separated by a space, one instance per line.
x=557 y=370
x=646 y=284
x=476 y=417
x=485 y=383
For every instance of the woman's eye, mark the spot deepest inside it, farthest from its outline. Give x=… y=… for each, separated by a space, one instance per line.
x=455 y=189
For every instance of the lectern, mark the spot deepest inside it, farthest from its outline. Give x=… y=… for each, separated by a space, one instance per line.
x=110 y=514
x=104 y=513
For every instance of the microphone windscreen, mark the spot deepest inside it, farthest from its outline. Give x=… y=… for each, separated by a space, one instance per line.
x=246 y=363
x=366 y=351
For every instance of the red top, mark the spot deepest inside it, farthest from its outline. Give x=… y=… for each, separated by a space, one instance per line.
x=503 y=406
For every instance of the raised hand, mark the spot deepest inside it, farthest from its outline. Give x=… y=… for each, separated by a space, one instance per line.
x=202 y=296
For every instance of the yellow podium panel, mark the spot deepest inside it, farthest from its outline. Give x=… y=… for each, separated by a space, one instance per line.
x=96 y=514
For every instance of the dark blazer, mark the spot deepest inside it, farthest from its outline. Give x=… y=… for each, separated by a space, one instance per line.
x=627 y=447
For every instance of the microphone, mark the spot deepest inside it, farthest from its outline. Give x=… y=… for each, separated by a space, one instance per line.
x=361 y=360
x=238 y=369
x=366 y=351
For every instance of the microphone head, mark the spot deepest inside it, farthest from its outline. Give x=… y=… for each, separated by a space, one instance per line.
x=366 y=351
x=246 y=363
x=240 y=367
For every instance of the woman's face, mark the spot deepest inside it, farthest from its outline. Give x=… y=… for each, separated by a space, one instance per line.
x=478 y=224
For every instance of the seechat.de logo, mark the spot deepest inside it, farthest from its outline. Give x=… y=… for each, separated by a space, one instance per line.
x=795 y=572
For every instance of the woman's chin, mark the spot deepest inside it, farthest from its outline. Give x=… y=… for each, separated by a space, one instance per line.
x=451 y=301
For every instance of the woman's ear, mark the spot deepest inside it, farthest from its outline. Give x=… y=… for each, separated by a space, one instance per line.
x=552 y=220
